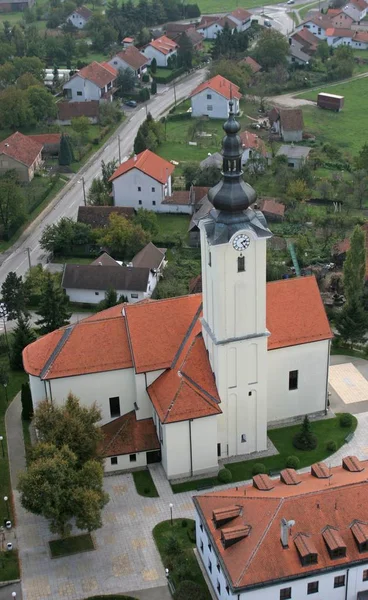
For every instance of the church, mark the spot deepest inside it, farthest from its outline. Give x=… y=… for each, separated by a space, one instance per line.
x=192 y=380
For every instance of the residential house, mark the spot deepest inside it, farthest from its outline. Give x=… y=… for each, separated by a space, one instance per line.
x=360 y=40
x=130 y=58
x=7 y=6
x=127 y=42
x=242 y=18
x=194 y=36
x=297 y=54
x=356 y=9
x=212 y=160
x=291 y=124
x=173 y=30
x=22 y=154
x=253 y=147
x=80 y=17
x=143 y=181
x=50 y=143
x=162 y=49
x=341 y=248
x=209 y=27
x=70 y=110
x=288 y=536
x=296 y=155
x=98 y=217
x=252 y=64
x=93 y=82
x=211 y=98
x=272 y=209
x=184 y=201
x=339 y=18
x=317 y=25
x=339 y=37
x=308 y=41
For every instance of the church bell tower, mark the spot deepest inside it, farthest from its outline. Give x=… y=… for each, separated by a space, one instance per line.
x=233 y=249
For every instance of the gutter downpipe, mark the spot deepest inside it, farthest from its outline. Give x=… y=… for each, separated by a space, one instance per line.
x=328 y=366
x=347 y=584
x=190 y=447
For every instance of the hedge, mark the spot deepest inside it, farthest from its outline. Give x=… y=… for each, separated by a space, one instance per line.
x=171 y=77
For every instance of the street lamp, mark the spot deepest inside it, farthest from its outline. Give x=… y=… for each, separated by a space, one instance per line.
x=171 y=512
x=6 y=391
x=81 y=180
x=2 y=445
x=6 y=500
x=4 y=315
x=14 y=594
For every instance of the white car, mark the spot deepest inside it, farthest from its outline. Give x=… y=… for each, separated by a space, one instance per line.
x=290 y=2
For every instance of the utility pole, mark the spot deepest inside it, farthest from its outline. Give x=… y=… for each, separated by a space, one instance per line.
x=119 y=150
x=174 y=92
x=28 y=250
x=84 y=190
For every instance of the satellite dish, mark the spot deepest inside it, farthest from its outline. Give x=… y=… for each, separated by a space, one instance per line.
x=291 y=523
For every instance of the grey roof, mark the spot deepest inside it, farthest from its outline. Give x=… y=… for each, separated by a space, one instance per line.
x=149 y=257
x=294 y=151
x=105 y=260
x=205 y=208
x=296 y=50
x=214 y=160
x=98 y=277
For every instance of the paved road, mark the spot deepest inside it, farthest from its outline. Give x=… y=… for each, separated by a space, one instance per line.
x=67 y=202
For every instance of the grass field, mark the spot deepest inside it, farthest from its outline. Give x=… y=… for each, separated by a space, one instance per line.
x=71 y=545
x=144 y=484
x=347 y=129
x=175 y=225
x=9 y=566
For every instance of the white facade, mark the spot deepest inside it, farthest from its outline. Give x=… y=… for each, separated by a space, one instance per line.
x=241 y=25
x=125 y=462
x=86 y=296
x=354 y=12
x=79 y=89
x=211 y=31
x=212 y=104
x=161 y=58
x=337 y=40
x=118 y=63
x=359 y=45
x=219 y=580
x=138 y=190
x=317 y=30
x=77 y=20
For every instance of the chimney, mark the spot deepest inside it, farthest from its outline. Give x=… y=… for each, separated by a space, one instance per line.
x=135 y=157
x=284 y=535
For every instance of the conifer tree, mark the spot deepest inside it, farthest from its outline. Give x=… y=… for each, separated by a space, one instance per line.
x=22 y=336
x=26 y=399
x=13 y=295
x=153 y=66
x=53 y=307
x=65 y=151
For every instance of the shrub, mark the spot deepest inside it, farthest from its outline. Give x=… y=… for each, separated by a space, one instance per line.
x=258 y=468
x=346 y=420
x=145 y=78
x=173 y=546
x=331 y=446
x=182 y=568
x=224 y=475
x=305 y=439
x=192 y=533
x=146 y=491
x=189 y=589
x=292 y=462
x=184 y=523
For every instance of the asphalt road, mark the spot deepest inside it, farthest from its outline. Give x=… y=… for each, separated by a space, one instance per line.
x=71 y=197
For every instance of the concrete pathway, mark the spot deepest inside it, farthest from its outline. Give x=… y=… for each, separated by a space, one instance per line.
x=14 y=436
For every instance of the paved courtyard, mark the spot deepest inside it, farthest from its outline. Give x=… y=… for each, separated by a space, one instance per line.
x=348 y=383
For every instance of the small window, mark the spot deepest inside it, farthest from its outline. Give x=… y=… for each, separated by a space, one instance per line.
x=209 y=96
x=153 y=189
x=114 y=407
x=243 y=438
x=339 y=581
x=210 y=566
x=140 y=202
x=97 y=293
x=132 y=457
x=201 y=526
x=139 y=188
x=293 y=380
x=285 y=593
x=218 y=450
x=313 y=587
x=209 y=107
x=241 y=264
x=365 y=575
x=209 y=259
x=114 y=460
x=202 y=547
x=153 y=202
x=249 y=393
x=218 y=587
x=210 y=547
x=227 y=590
x=79 y=93
x=134 y=295
x=115 y=62
x=218 y=567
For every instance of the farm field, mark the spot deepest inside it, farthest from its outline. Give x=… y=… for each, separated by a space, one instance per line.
x=348 y=128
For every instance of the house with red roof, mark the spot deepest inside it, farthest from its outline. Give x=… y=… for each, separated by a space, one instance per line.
x=130 y=58
x=288 y=537
x=22 y=154
x=162 y=49
x=93 y=82
x=80 y=17
x=339 y=18
x=317 y=24
x=238 y=20
x=356 y=9
x=211 y=98
x=196 y=379
x=143 y=181
x=253 y=147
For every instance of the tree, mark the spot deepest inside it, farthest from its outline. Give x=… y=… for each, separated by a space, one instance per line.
x=53 y=307
x=361 y=161
x=110 y=300
x=272 y=49
x=15 y=111
x=323 y=51
x=153 y=66
x=12 y=204
x=42 y=103
x=238 y=74
x=185 y=52
x=122 y=237
x=305 y=439
x=354 y=266
x=22 y=336
x=108 y=169
x=149 y=135
x=81 y=127
x=26 y=400
x=297 y=191
x=72 y=425
x=97 y=194
x=153 y=87
x=125 y=81
x=61 y=237
x=57 y=489
x=352 y=322
x=147 y=219
x=13 y=294
x=65 y=152
x=110 y=113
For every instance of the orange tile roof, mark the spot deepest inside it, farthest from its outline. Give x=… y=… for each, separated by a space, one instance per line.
x=219 y=84
x=163 y=44
x=255 y=67
x=295 y=313
x=98 y=73
x=241 y=14
x=339 y=32
x=110 y=68
x=46 y=138
x=21 y=147
x=133 y=57
x=251 y=140
x=149 y=163
x=271 y=206
x=127 y=435
x=361 y=36
x=259 y=559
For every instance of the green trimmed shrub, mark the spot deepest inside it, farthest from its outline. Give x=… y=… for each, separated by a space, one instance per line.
x=305 y=439
x=331 y=446
x=258 y=469
x=184 y=523
x=292 y=462
x=345 y=420
x=173 y=546
x=224 y=475
x=192 y=533
x=145 y=77
x=189 y=589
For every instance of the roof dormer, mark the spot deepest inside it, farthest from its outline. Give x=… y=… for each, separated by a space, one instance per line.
x=335 y=544
x=320 y=470
x=289 y=477
x=359 y=530
x=352 y=464
x=306 y=549
x=263 y=482
x=221 y=516
x=232 y=535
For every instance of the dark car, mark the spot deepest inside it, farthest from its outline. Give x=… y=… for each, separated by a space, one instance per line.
x=131 y=103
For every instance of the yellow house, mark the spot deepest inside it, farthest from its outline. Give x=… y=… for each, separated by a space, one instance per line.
x=21 y=153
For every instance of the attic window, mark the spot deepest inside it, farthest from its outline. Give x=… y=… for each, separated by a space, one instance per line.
x=232 y=535
x=221 y=516
x=320 y=470
x=263 y=482
x=289 y=477
x=335 y=544
x=352 y=464
x=359 y=530
x=306 y=549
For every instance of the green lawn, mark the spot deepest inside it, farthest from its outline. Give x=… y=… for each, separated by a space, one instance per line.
x=71 y=260
x=71 y=545
x=9 y=566
x=326 y=430
x=171 y=225
x=347 y=129
x=144 y=484
x=305 y=8
x=220 y=6
x=161 y=533
x=110 y=598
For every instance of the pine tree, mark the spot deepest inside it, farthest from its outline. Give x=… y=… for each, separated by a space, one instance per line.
x=153 y=88
x=27 y=405
x=352 y=322
x=305 y=439
x=22 y=336
x=13 y=295
x=53 y=307
x=153 y=66
x=139 y=142
x=65 y=151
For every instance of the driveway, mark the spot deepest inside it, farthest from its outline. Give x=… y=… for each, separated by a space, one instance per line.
x=356 y=405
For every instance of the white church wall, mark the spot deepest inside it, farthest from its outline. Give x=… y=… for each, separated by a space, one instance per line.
x=204 y=444
x=142 y=381
x=311 y=362
x=38 y=390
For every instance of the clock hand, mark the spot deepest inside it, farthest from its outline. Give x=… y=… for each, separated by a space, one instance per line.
x=243 y=244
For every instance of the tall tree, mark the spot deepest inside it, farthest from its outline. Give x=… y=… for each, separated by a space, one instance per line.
x=123 y=238
x=65 y=152
x=13 y=294
x=125 y=81
x=185 y=52
x=22 y=336
x=42 y=103
x=272 y=49
x=53 y=307
x=27 y=405
x=12 y=204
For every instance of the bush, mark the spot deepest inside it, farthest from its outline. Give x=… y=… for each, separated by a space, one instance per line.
x=258 y=469
x=184 y=523
x=224 y=475
x=189 y=589
x=182 y=568
x=192 y=533
x=292 y=462
x=305 y=439
x=173 y=546
x=159 y=79
x=331 y=446
x=346 y=420
x=145 y=78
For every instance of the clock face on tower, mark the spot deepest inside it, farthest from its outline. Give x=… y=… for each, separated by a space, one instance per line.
x=241 y=242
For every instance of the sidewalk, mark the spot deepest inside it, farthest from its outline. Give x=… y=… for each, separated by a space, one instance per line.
x=14 y=434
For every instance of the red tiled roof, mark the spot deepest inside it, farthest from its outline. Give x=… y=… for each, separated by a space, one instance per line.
x=260 y=558
x=110 y=68
x=291 y=119
x=360 y=4
x=361 y=36
x=21 y=147
x=163 y=44
x=149 y=163
x=46 y=138
x=322 y=21
x=272 y=207
x=128 y=40
x=127 y=435
x=332 y=12
x=206 y=21
x=83 y=11
x=69 y=110
x=219 y=84
x=133 y=57
x=241 y=14
x=255 y=67
x=339 y=32
x=98 y=73
x=251 y=140
x=227 y=20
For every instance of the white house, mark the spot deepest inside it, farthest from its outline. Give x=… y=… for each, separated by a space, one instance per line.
x=339 y=37
x=80 y=17
x=162 y=50
x=143 y=181
x=209 y=372
x=130 y=58
x=356 y=9
x=317 y=25
x=212 y=98
x=210 y=29
x=360 y=40
x=242 y=18
x=252 y=146
x=93 y=82
x=288 y=537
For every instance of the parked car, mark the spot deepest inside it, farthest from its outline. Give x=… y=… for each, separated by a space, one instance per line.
x=131 y=103
x=290 y=2
x=267 y=23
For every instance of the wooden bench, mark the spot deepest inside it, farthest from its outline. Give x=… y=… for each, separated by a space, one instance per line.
x=349 y=437
x=205 y=486
x=274 y=472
